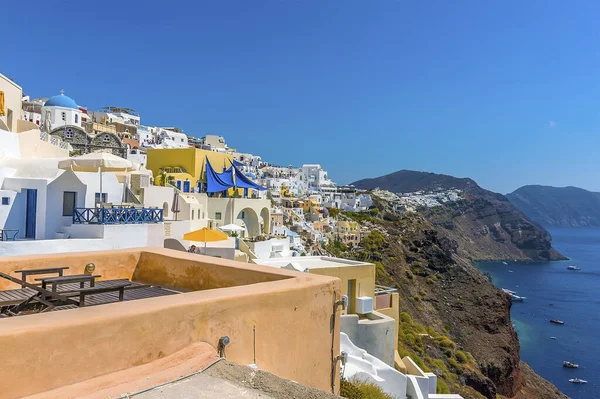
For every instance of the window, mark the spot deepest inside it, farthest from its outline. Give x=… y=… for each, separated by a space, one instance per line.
x=97 y=198
x=106 y=138
x=5 y=200
x=63 y=116
x=217 y=215
x=192 y=214
x=68 y=203
x=69 y=133
x=243 y=214
x=76 y=118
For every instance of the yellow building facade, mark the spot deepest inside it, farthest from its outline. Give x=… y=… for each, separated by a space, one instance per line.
x=11 y=95
x=184 y=164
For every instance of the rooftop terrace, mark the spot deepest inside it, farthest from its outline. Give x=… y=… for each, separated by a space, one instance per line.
x=270 y=315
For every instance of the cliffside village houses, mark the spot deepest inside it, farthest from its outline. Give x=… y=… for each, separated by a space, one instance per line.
x=81 y=189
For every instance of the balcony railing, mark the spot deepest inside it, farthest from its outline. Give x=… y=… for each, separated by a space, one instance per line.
x=116 y=215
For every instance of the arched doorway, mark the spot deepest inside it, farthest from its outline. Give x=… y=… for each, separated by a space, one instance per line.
x=266 y=221
x=250 y=219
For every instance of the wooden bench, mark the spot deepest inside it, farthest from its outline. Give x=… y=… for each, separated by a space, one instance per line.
x=75 y=278
x=31 y=272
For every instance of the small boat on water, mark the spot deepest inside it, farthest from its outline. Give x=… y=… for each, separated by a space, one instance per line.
x=505 y=263
x=555 y=321
x=513 y=295
x=577 y=381
x=570 y=365
x=552 y=337
x=573 y=268
x=510 y=271
x=517 y=298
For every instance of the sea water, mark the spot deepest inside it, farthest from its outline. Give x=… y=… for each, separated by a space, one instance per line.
x=553 y=292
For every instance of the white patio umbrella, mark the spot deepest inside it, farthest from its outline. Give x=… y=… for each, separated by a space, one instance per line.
x=97 y=161
x=231 y=227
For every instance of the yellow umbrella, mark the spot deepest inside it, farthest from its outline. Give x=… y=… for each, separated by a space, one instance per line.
x=205 y=235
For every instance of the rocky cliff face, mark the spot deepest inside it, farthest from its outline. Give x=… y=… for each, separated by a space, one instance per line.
x=454 y=320
x=489 y=227
x=558 y=206
x=486 y=224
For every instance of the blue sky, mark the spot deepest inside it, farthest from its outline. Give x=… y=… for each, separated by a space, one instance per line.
x=504 y=92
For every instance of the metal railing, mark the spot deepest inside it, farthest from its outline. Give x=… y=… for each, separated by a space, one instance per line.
x=116 y=215
x=382 y=289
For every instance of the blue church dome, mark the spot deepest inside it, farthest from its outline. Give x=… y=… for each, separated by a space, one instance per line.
x=61 y=101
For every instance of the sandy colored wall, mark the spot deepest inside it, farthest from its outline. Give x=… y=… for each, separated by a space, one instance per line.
x=267 y=323
x=194 y=272
x=364 y=275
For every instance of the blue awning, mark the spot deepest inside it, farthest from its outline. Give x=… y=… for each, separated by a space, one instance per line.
x=242 y=181
x=214 y=183
x=227 y=177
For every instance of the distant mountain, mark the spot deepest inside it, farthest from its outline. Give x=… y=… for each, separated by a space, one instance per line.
x=409 y=181
x=484 y=224
x=558 y=206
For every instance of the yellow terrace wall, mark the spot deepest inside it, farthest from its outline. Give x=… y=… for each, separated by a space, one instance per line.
x=364 y=276
x=192 y=159
x=278 y=319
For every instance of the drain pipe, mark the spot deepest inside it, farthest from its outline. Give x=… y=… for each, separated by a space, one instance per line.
x=335 y=358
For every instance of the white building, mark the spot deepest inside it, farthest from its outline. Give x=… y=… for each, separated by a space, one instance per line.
x=60 y=111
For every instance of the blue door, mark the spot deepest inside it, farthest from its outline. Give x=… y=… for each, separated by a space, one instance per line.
x=31 y=214
x=178 y=184
x=186 y=186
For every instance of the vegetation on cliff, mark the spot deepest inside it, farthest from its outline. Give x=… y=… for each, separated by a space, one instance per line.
x=455 y=323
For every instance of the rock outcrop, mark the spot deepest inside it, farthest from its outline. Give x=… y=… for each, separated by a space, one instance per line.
x=486 y=224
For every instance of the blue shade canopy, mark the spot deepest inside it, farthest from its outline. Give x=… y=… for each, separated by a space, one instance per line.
x=214 y=184
x=237 y=164
x=227 y=177
x=61 y=101
x=242 y=181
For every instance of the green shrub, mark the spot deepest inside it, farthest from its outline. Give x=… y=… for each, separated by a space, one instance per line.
x=442 y=387
x=349 y=390
x=455 y=364
x=361 y=390
x=405 y=318
x=461 y=356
